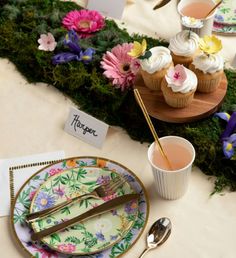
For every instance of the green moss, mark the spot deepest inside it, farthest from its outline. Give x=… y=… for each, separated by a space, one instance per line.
x=22 y=22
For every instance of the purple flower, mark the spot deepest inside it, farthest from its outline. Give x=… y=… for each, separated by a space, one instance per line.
x=228 y=146
x=230 y=127
x=64 y=58
x=72 y=41
x=87 y=55
x=223 y=115
x=131 y=207
x=228 y=137
x=219 y=17
x=77 y=54
x=112 y=238
x=100 y=236
x=60 y=191
x=103 y=180
x=44 y=201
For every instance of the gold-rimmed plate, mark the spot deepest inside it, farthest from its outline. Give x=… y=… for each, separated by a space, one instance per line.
x=93 y=235
x=21 y=204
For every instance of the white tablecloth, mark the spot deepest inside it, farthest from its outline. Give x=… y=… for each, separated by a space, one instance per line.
x=32 y=118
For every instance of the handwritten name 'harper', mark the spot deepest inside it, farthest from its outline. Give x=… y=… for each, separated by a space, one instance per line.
x=76 y=123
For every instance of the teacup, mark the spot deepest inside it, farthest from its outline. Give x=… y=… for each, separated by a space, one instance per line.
x=198 y=12
x=172 y=184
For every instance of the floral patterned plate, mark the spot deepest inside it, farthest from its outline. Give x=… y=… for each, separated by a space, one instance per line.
x=21 y=205
x=224 y=29
x=226 y=13
x=95 y=234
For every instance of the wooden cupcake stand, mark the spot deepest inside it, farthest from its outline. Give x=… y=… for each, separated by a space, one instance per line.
x=203 y=105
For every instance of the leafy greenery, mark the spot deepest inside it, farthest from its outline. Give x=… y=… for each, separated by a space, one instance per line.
x=73 y=239
x=22 y=22
x=54 y=238
x=118 y=249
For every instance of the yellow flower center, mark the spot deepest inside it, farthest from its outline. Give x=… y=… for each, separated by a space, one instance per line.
x=85 y=24
x=192 y=20
x=44 y=202
x=229 y=146
x=86 y=57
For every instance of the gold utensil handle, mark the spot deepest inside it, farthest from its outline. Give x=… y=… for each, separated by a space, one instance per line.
x=43 y=213
x=161 y=4
x=220 y=2
x=107 y=206
x=151 y=126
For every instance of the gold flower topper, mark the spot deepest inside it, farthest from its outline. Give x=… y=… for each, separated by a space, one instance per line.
x=210 y=44
x=139 y=50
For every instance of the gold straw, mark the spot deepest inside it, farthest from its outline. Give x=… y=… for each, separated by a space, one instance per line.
x=150 y=124
x=213 y=8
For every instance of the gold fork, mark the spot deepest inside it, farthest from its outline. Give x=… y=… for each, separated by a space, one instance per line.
x=101 y=191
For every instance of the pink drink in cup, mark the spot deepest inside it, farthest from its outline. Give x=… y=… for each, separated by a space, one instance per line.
x=199 y=9
x=172 y=184
x=178 y=155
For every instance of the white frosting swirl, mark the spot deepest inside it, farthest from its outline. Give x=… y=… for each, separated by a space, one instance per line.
x=159 y=59
x=189 y=84
x=184 y=44
x=209 y=64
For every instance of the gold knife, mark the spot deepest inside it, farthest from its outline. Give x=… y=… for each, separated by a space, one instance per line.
x=161 y=4
x=104 y=207
x=31 y=217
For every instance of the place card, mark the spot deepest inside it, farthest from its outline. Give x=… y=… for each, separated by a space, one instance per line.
x=86 y=127
x=112 y=9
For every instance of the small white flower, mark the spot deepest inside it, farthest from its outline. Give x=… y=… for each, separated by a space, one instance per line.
x=47 y=42
x=191 y=22
x=104 y=225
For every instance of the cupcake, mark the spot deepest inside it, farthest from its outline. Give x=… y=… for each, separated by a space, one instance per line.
x=154 y=68
x=209 y=70
x=184 y=46
x=179 y=86
x=208 y=66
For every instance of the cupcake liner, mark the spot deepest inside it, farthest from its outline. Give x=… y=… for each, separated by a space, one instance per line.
x=153 y=80
x=176 y=99
x=184 y=60
x=207 y=83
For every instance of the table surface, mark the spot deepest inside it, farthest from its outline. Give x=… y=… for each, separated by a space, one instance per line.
x=32 y=121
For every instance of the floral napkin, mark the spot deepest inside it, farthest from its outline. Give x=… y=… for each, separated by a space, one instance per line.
x=14 y=172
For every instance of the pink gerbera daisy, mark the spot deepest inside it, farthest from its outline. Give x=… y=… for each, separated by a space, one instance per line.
x=119 y=67
x=84 y=22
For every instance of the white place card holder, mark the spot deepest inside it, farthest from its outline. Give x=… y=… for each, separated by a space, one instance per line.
x=234 y=62
x=86 y=127
x=111 y=8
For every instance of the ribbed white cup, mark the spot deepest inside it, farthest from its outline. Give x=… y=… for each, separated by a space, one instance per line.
x=172 y=185
x=207 y=22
